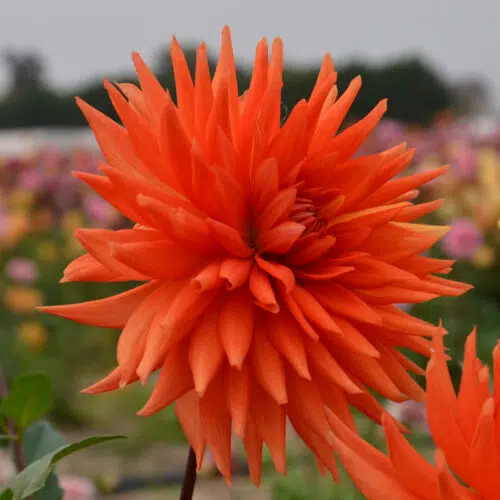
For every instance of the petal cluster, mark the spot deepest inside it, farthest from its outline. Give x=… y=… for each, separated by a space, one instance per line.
x=465 y=427
x=270 y=255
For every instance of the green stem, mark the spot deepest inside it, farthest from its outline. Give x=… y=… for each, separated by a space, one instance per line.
x=17 y=443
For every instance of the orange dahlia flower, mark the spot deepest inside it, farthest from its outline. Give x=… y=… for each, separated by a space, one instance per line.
x=271 y=256
x=466 y=429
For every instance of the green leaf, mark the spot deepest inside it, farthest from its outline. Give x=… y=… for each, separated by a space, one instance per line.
x=7 y=437
x=29 y=399
x=51 y=490
x=39 y=439
x=6 y=495
x=36 y=475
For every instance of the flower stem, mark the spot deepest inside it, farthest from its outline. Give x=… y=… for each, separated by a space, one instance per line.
x=189 y=477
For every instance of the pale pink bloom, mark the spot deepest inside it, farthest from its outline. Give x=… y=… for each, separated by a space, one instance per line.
x=77 y=488
x=4 y=222
x=463 y=239
x=464 y=162
x=410 y=413
x=30 y=179
x=99 y=210
x=21 y=270
x=7 y=469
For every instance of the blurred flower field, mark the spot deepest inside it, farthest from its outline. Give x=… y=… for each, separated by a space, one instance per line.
x=41 y=204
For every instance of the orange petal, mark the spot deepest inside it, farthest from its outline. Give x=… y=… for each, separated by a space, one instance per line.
x=188 y=412
x=236 y=326
x=111 y=312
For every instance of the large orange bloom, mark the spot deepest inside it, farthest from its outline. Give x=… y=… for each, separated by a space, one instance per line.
x=465 y=428
x=271 y=256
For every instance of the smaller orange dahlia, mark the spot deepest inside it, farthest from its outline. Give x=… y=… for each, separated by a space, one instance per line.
x=466 y=429
x=270 y=256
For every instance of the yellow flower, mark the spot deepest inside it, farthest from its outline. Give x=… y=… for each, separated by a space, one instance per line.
x=72 y=220
x=18 y=225
x=32 y=334
x=43 y=219
x=20 y=299
x=21 y=200
x=489 y=167
x=47 y=251
x=484 y=257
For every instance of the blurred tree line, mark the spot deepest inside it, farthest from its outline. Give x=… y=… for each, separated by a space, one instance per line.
x=415 y=91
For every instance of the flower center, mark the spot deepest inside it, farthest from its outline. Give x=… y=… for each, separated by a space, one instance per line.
x=305 y=212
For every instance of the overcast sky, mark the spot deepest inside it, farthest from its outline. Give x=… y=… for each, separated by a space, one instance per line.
x=81 y=40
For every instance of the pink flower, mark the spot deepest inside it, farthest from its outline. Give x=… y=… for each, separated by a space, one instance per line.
x=7 y=468
x=21 y=270
x=463 y=239
x=464 y=163
x=410 y=413
x=77 y=488
x=30 y=179
x=99 y=210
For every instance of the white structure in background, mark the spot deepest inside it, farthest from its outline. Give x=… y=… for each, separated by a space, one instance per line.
x=26 y=142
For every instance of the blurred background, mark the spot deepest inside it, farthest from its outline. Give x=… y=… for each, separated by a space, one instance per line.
x=437 y=63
